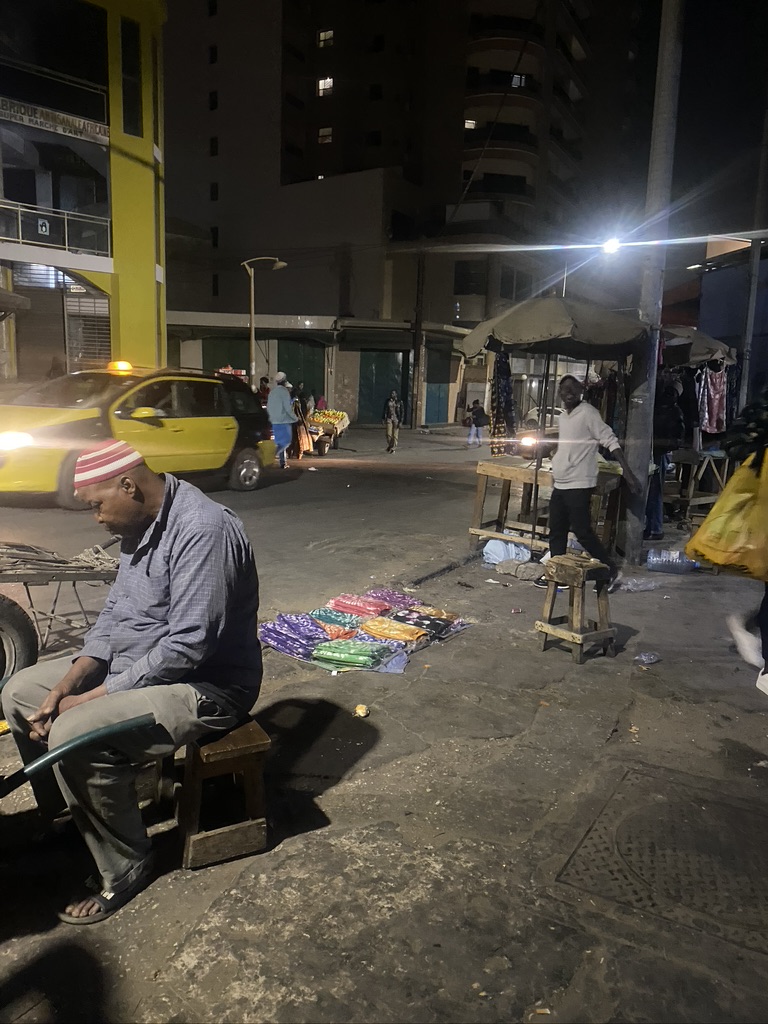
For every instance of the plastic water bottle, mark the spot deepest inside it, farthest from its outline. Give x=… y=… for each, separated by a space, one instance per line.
x=670 y=561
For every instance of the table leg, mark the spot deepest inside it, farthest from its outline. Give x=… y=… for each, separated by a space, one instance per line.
x=506 y=486
x=477 y=511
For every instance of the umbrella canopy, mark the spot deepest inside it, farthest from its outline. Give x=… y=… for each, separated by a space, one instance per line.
x=565 y=327
x=701 y=348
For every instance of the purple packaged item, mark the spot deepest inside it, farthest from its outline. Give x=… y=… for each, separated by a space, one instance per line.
x=394 y=598
x=394 y=645
x=276 y=638
x=302 y=626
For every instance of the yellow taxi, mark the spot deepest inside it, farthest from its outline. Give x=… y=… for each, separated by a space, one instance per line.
x=183 y=422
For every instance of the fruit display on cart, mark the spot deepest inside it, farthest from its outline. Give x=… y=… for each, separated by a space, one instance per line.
x=326 y=427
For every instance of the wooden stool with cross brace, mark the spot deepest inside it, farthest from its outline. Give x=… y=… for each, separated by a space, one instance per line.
x=575 y=572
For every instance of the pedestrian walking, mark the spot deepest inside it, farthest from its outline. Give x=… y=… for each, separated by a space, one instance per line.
x=392 y=416
x=282 y=416
x=581 y=431
x=176 y=639
x=478 y=419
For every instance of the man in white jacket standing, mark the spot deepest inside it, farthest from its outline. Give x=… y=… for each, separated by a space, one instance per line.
x=581 y=431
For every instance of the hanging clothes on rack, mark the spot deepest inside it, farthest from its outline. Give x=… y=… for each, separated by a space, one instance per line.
x=712 y=384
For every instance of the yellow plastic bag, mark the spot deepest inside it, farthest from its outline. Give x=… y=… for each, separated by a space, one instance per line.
x=735 y=533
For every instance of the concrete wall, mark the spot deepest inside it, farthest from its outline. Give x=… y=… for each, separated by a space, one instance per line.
x=346 y=383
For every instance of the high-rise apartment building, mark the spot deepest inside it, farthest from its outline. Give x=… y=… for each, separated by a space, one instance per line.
x=342 y=137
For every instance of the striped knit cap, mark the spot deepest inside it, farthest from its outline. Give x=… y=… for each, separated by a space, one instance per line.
x=105 y=461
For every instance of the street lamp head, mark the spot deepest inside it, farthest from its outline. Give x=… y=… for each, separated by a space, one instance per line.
x=279 y=265
x=611 y=246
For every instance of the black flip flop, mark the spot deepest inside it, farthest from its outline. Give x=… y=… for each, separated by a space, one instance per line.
x=108 y=902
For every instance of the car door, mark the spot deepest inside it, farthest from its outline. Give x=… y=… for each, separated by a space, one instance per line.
x=209 y=431
x=159 y=437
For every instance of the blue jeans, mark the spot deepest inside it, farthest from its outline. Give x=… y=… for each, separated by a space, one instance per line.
x=283 y=434
x=475 y=433
x=654 y=507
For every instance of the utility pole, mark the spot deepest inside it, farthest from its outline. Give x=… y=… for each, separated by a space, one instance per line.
x=657 y=201
x=761 y=208
x=417 y=399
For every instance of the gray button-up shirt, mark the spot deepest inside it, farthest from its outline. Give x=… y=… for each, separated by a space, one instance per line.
x=184 y=605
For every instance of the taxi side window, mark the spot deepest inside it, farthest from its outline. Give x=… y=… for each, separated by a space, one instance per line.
x=199 y=398
x=156 y=395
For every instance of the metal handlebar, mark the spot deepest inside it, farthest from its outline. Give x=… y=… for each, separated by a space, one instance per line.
x=10 y=782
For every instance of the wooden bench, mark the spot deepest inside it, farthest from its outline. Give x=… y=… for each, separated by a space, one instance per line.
x=240 y=752
x=574 y=572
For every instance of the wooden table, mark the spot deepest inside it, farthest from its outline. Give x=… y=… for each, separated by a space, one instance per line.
x=690 y=467
x=514 y=469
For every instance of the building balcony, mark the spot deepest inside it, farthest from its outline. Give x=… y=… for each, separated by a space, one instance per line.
x=502 y=186
x=502 y=136
x=55 y=229
x=497 y=83
x=567 y=105
x=494 y=27
x=576 y=27
x=570 y=147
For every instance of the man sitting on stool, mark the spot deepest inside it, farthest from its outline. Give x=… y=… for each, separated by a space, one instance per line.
x=176 y=638
x=581 y=431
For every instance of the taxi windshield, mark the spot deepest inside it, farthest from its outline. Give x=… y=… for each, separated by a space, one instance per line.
x=85 y=390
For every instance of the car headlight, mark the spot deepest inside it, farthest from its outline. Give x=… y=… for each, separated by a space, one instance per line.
x=10 y=440
x=528 y=441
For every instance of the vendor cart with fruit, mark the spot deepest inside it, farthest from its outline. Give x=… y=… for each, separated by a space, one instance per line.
x=326 y=427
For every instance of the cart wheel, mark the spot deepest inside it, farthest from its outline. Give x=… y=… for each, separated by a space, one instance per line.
x=323 y=444
x=65 y=493
x=335 y=442
x=18 y=638
x=246 y=470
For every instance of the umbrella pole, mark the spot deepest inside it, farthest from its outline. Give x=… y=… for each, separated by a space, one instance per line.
x=537 y=467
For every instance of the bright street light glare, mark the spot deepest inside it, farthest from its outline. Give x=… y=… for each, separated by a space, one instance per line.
x=611 y=246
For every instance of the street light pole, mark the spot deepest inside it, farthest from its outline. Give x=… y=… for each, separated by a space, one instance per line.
x=277 y=264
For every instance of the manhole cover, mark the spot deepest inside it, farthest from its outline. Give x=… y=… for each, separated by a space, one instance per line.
x=666 y=847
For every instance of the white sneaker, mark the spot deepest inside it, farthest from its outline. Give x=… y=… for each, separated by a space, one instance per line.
x=762 y=681
x=747 y=644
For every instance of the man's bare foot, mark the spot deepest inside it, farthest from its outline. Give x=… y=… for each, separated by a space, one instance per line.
x=83 y=908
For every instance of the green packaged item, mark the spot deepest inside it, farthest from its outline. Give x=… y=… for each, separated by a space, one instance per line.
x=334 y=618
x=346 y=653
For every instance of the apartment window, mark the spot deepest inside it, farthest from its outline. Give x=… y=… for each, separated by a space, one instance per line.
x=213 y=145
x=469 y=123
x=324 y=86
x=375 y=91
x=214 y=285
x=213 y=99
x=469 y=277
x=325 y=37
x=373 y=138
x=377 y=44
x=213 y=54
x=214 y=191
x=214 y=237
x=324 y=135
x=213 y=8
x=518 y=81
x=130 y=53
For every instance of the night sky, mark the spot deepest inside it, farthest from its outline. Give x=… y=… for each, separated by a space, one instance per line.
x=723 y=95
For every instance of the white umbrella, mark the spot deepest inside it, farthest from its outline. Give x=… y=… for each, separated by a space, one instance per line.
x=564 y=326
x=702 y=346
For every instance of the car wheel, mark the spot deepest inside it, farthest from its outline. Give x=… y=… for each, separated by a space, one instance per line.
x=335 y=441
x=531 y=424
x=65 y=493
x=246 y=470
x=323 y=444
x=18 y=638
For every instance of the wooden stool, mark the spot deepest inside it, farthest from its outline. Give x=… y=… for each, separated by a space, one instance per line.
x=575 y=572
x=241 y=752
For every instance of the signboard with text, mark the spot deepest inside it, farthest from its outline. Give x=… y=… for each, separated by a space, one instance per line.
x=53 y=121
